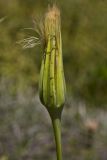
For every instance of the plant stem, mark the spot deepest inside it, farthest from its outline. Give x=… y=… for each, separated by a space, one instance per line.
x=57 y=133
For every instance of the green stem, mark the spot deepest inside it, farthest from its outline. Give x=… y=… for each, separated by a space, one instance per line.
x=57 y=133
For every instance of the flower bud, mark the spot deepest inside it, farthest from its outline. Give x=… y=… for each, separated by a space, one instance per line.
x=52 y=81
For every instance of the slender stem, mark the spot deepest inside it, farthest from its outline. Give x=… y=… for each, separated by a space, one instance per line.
x=57 y=133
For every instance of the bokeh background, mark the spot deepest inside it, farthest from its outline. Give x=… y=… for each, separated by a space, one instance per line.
x=25 y=127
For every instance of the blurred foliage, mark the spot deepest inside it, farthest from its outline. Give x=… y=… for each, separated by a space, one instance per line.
x=24 y=134
x=84 y=46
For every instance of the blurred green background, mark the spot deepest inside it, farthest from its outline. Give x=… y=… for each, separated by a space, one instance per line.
x=25 y=128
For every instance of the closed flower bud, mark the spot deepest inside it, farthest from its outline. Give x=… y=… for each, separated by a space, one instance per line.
x=52 y=81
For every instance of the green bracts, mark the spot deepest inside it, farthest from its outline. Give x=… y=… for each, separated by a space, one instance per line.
x=52 y=81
